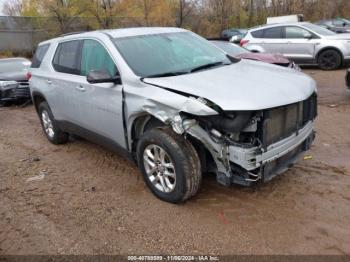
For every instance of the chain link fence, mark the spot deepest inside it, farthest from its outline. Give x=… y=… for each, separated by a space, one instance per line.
x=20 y=35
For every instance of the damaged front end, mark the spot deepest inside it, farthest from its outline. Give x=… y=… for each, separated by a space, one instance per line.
x=241 y=147
x=252 y=146
x=14 y=91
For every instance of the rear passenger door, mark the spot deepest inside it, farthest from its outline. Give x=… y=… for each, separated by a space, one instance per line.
x=100 y=105
x=272 y=39
x=64 y=80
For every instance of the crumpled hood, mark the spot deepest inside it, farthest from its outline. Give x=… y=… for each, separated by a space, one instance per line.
x=246 y=85
x=265 y=57
x=345 y=36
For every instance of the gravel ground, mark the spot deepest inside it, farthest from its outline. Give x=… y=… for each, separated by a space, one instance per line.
x=82 y=199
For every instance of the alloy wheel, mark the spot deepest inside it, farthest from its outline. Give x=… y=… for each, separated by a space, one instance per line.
x=159 y=168
x=328 y=60
x=47 y=123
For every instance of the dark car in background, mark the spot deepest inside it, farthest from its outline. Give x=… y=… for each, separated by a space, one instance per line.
x=240 y=52
x=348 y=78
x=229 y=33
x=14 y=86
x=337 y=25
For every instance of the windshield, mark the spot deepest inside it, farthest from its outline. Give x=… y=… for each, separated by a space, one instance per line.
x=319 y=30
x=150 y=55
x=231 y=49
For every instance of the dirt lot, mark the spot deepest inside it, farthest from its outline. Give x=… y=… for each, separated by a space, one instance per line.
x=81 y=199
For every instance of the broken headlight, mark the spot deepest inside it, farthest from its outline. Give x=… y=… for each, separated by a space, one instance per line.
x=230 y=122
x=235 y=128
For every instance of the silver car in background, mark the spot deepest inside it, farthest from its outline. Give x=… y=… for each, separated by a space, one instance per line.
x=304 y=43
x=176 y=104
x=14 y=86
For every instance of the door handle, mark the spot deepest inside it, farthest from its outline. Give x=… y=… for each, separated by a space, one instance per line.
x=49 y=82
x=80 y=88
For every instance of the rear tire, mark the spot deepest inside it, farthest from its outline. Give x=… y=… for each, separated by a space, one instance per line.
x=169 y=164
x=329 y=60
x=50 y=127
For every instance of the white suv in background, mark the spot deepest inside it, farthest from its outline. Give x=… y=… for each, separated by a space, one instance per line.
x=304 y=43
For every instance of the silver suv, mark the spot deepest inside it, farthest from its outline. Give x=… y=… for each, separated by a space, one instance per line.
x=176 y=104
x=303 y=43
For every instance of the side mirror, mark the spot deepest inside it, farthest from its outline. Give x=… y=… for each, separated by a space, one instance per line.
x=102 y=76
x=308 y=36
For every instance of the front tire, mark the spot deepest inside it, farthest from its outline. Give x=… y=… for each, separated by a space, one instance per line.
x=329 y=60
x=169 y=164
x=50 y=127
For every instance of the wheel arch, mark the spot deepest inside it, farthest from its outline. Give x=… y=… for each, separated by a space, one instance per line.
x=330 y=48
x=147 y=121
x=37 y=99
x=140 y=125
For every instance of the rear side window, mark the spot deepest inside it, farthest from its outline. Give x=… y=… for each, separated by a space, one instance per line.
x=39 y=55
x=67 y=57
x=273 y=33
x=257 y=34
x=95 y=57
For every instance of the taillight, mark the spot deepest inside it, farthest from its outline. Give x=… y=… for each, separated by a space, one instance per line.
x=244 y=42
x=29 y=76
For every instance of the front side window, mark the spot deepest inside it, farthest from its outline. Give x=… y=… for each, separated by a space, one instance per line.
x=95 y=57
x=293 y=32
x=149 y=55
x=66 y=58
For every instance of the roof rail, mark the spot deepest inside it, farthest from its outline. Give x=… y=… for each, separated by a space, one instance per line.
x=72 y=33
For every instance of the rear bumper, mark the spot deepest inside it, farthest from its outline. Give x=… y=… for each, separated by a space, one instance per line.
x=253 y=164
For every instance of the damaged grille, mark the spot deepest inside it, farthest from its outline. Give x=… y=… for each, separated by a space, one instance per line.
x=281 y=122
x=22 y=91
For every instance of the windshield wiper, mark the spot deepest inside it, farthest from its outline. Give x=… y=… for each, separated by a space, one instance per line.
x=167 y=74
x=206 y=66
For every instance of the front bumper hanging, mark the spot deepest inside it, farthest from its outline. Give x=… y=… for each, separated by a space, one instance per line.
x=15 y=91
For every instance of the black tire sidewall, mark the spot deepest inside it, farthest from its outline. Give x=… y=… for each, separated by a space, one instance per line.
x=178 y=158
x=56 y=139
x=334 y=52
